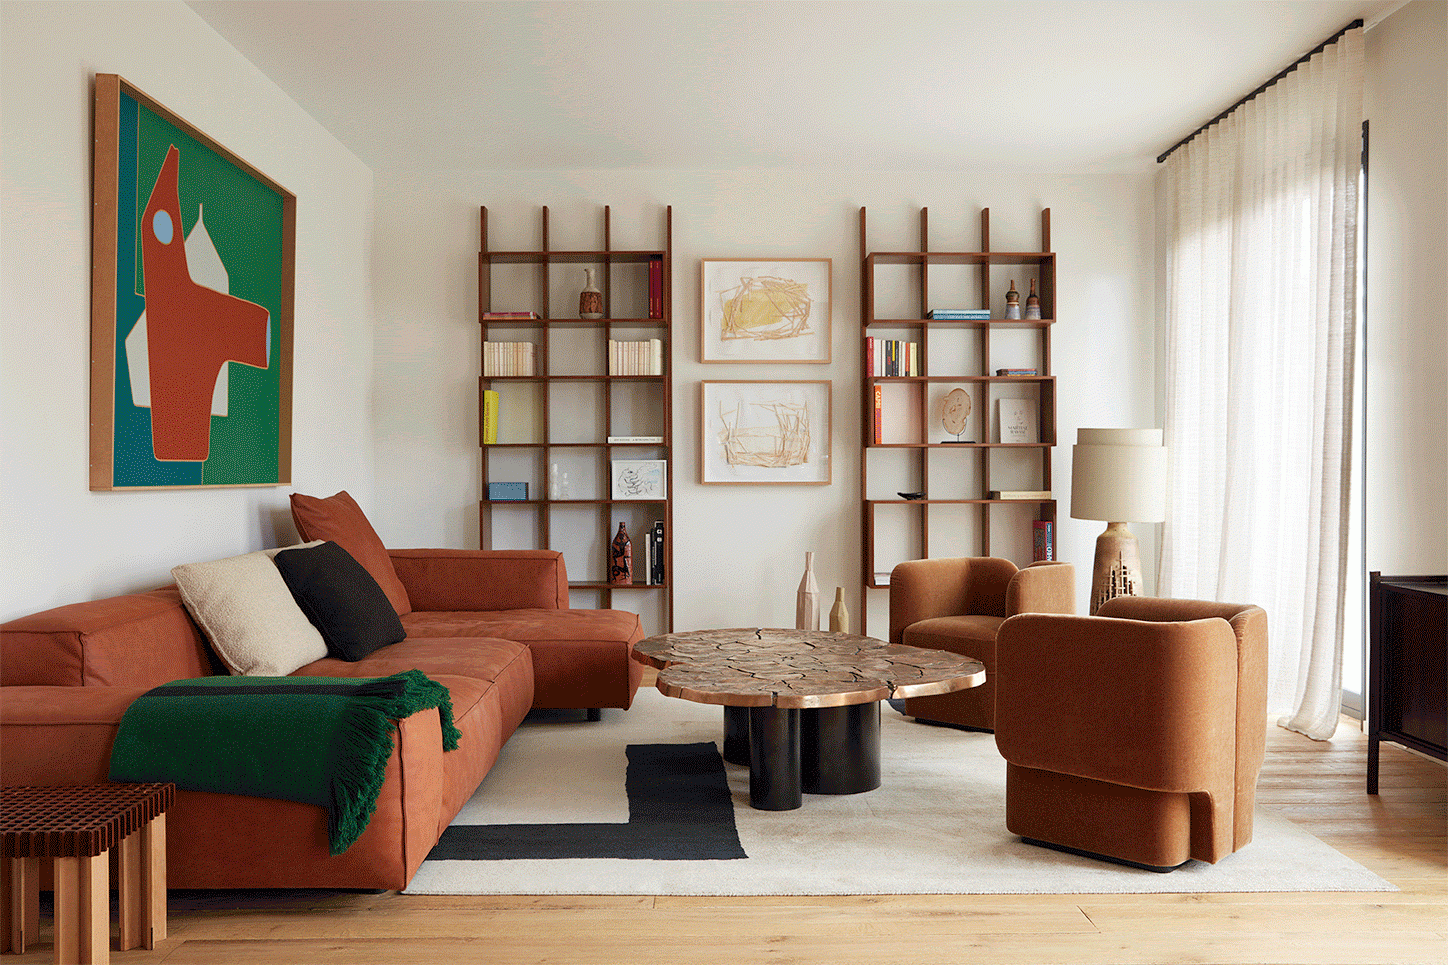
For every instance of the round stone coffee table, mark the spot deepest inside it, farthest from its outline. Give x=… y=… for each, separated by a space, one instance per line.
x=801 y=707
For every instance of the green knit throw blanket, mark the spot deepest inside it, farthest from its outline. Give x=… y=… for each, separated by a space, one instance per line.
x=316 y=740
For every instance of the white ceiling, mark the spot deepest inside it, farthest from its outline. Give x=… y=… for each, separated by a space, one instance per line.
x=1051 y=85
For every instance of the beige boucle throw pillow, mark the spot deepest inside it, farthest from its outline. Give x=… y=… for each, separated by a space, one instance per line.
x=245 y=609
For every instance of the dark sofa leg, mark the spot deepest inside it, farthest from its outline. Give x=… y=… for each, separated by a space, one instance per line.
x=595 y=713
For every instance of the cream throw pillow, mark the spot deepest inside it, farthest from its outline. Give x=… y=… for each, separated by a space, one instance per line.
x=246 y=611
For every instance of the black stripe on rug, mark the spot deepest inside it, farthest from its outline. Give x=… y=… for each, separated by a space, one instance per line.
x=679 y=809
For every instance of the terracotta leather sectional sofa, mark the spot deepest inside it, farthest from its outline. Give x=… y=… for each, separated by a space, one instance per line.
x=494 y=627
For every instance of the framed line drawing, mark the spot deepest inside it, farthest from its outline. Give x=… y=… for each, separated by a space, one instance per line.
x=639 y=479
x=764 y=310
x=765 y=432
x=193 y=280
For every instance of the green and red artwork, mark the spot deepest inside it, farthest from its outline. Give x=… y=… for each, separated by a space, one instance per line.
x=192 y=306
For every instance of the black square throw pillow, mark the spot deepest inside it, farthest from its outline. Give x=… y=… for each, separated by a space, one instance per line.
x=341 y=599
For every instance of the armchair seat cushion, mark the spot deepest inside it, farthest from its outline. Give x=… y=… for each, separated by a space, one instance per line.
x=968 y=636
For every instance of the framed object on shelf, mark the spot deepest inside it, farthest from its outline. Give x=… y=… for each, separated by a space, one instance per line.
x=1018 y=421
x=765 y=432
x=639 y=478
x=765 y=310
x=191 y=314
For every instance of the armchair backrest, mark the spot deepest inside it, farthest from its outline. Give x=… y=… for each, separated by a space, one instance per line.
x=1249 y=623
x=947 y=586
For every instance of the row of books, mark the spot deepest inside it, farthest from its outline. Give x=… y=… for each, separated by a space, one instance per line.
x=509 y=358
x=636 y=358
x=959 y=314
x=508 y=316
x=1017 y=372
x=890 y=358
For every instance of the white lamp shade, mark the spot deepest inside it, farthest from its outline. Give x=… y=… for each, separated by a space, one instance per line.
x=1119 y=475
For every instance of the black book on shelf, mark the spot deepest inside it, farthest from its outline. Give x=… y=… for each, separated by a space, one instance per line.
x=656 y=556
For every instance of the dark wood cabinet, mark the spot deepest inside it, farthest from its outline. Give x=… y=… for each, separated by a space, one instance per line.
x=1407 y=672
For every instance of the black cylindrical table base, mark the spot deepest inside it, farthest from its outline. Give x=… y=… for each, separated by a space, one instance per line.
x=840 y=749
x=736 y=735
x=774 y=775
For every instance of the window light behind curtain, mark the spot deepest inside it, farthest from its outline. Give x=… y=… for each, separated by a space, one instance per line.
x=1260 y=217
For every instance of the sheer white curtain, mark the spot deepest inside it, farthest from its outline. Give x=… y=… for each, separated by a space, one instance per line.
x=1260 y=217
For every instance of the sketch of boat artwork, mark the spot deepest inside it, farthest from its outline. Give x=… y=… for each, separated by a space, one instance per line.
x=764 y=308
x=785 y=443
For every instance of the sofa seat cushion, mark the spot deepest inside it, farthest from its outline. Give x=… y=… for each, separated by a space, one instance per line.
x=581 y=658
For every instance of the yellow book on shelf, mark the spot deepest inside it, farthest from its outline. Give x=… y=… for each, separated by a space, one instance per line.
x=490 y=417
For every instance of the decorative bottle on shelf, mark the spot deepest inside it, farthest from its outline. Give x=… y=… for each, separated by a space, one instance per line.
x=839 y=616
x=1013 y=301
x=590 y=300
x=1033 y=303
x=620 y=564
x=807 y=605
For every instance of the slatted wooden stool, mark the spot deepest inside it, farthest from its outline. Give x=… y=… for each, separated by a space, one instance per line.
x=77 y=826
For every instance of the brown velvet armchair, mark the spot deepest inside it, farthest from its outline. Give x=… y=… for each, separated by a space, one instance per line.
x=1137 y=734
x=957 y=604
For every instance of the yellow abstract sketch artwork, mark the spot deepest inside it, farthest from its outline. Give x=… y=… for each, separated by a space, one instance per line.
x=765 y=307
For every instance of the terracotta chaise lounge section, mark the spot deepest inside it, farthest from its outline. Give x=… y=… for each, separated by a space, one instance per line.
x=480 y=623
x=1137 y=734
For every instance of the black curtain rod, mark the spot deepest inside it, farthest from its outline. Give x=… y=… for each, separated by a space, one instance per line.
x=1285 y=71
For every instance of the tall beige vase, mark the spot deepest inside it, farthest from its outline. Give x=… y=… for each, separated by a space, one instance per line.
x=807 y=601
x=839 y=615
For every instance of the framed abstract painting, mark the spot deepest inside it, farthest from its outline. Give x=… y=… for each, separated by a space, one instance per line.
x=765 y=310
x=765 y=432
x=193 y=262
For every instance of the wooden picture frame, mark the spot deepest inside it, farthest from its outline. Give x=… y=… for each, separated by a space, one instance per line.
x=193 y=286
x=765 y=310
x=755 y=431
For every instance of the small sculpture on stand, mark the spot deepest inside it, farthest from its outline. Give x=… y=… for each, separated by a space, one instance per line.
x=1013 y=301
x=807 y=601
x=590 y=300
x=620 y=563
x=955 y=412
x=1033 y=303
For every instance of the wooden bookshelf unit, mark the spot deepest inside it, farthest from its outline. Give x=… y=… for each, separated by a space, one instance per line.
x=953 y=478
x=562 y=404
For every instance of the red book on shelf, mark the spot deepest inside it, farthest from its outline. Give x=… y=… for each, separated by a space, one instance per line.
x=656 y=288
x=1044 y=542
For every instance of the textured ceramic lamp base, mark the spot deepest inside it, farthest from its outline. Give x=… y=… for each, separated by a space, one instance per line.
x=1118 y=566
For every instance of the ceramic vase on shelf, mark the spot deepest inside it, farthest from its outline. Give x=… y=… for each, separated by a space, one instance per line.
x=620 y=561
x=807 y=601
x=590 y=300
x=1013 y=301
x=1033 y=303
x=839 y=616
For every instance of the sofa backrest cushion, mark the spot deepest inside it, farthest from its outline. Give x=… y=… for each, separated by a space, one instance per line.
x=136 y=640
x=338 y=518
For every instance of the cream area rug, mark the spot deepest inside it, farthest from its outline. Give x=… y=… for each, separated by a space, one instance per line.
x=642 y=803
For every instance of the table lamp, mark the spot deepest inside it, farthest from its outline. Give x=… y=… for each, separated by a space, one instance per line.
x=1118 y=476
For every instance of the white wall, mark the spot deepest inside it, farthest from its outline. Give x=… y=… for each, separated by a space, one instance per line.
x=60 y=542
x=1406 y=104
x=739 y=550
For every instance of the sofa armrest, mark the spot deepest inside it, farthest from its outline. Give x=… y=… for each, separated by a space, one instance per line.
x=1044 y=587
x=480 y=580
x=60 y=735
x=947 y=586
x=1148 y=705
